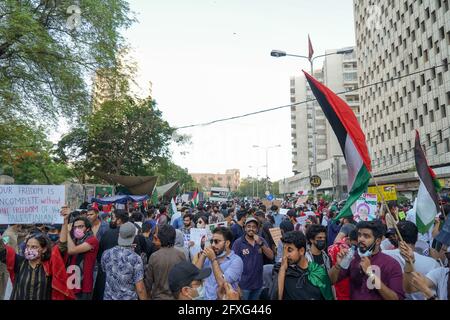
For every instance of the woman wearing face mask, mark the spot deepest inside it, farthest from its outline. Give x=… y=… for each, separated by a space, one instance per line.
x=202 y=222
x=82 y=249
x=37 y=275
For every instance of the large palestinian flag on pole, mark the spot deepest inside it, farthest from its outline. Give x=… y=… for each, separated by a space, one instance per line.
x=195 y=199
x=427 y=197
x=351 y=139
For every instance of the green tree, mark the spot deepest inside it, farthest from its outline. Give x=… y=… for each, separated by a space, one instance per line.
x=44 y=63
x=27 y=155
x=127 y=136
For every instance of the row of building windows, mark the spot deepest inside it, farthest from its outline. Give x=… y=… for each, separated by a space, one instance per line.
x=435 y=148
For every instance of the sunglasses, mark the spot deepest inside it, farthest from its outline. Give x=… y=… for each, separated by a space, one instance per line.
x=215 y=241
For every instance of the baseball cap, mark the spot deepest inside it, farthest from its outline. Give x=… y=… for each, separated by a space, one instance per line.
x=183 y=273
x=127 y=232
x=250 y=219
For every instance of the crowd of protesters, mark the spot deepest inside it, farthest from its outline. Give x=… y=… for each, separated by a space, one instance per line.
x=142 y=253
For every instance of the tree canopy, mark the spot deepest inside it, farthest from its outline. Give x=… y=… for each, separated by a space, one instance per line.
x=44 y=63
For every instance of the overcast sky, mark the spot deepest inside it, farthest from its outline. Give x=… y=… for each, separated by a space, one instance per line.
x=210 y=59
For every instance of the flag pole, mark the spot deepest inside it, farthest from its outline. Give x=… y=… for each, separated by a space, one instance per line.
x=388 y=213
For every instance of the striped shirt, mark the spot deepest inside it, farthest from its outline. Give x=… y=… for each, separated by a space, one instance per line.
x=30 y=283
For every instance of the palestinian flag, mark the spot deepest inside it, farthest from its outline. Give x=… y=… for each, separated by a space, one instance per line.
x=427 y=197
x=195 y=199
x=172 y=208
x=351 y=139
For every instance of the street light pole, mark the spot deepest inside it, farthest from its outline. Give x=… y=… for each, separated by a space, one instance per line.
x=278 y=54
x=267 y=161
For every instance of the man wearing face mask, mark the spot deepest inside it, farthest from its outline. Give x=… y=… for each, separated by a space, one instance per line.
x=53 y=233
x=373 y=274
x=226 y=265
x=317 y=239
x=186 y=281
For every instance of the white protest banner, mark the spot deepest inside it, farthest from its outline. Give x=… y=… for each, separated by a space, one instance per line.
x=366 y=207
x=30 y=204
x=185 y=198
x=284 y=211
x=302 y=220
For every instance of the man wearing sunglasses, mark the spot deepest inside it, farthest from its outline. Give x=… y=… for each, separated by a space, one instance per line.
x=226 y=265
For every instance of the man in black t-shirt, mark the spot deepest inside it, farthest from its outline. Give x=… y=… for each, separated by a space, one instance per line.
x=293 y=273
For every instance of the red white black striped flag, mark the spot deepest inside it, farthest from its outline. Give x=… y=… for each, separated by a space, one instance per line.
x=427 y=197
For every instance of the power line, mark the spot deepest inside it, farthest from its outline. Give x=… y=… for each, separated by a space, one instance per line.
x=306 y=101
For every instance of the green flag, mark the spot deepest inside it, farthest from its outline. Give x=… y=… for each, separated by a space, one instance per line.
x=155 y=197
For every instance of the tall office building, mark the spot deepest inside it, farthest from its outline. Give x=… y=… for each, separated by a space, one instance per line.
x=404 y=46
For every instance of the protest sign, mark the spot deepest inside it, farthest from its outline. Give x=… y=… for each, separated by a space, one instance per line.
x=30 y=204
x=199 y=236
x=389 y=192
x=366 y=207
x=301 y=200
x=302 y=220
x=284 y=211
x=185 y=198
x=276 y=235
x=212 y=226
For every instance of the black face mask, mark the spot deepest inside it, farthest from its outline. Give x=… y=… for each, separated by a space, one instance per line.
x=394 y=242
x=113 y=225
x=320 y=244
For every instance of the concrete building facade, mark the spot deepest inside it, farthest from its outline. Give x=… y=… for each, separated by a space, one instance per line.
x=231 y=179
x=405 y=50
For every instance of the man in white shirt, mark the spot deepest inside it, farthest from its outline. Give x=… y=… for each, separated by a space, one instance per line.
x=422 y=264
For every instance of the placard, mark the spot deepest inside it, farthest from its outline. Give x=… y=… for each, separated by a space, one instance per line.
x=366 y=207
x=30 y=204
x=276 y=235
x=213 y=226
x=389 y=192
x=284 y=211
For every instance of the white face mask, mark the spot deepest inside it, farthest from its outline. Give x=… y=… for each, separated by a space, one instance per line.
x=200 y=293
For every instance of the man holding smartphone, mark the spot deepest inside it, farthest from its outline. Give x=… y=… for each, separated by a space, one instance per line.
x=226 y=265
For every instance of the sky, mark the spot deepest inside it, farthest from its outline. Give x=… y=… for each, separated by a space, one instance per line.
x=210 y=59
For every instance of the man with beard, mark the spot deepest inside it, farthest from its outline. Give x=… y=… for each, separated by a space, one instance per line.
x=251 y=249
x=373 y=274
x=226 y=265
x=216 y=216
x=296 y=278
x=109 y=240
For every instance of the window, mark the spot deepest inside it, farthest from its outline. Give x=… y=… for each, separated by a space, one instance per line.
x=421 y=121
x=440 y=136
x=429 y=139
x=447 y=145
x=425 y=109
x=431 y=116
x=435 y=149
